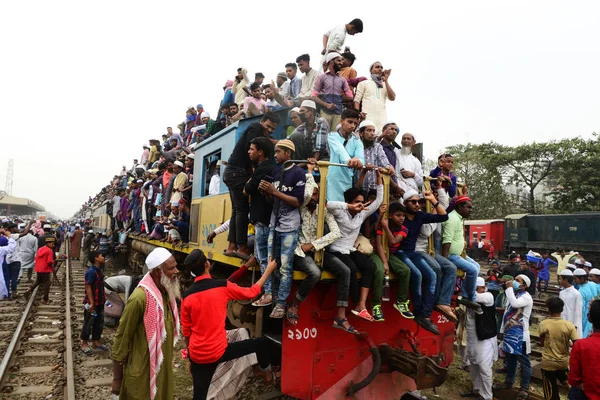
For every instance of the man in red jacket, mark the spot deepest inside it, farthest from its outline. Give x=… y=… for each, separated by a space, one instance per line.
x=203 y=314
x=584 y=364
x=44 y=262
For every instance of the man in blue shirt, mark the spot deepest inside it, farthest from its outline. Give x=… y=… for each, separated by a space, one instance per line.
x=344 y=148
x=543 y=269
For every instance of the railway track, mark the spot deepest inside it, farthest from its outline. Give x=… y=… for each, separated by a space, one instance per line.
x=40 y=344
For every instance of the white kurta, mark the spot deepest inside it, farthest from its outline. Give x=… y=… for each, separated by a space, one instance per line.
x=573 y=309
x=28 y=246
x=412 y=164
x=526 y=303
x=372 y=99
x=215 y=185
x=481 y=354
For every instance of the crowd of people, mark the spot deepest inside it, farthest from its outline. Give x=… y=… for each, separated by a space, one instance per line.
x=341 y=118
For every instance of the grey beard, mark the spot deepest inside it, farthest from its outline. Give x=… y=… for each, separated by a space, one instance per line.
x=171 y=286
x=406 y=150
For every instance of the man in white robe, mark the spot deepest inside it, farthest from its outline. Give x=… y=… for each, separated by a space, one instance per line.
x=28 y=246
x=573 y=308
x=408 y=167
x=482 y=353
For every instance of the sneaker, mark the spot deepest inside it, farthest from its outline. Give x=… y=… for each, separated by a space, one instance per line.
x=427 y=324
x=378 y=314
x=403 y=309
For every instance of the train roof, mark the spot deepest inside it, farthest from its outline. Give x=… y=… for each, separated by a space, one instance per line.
x=516 y=216
x=482 y=221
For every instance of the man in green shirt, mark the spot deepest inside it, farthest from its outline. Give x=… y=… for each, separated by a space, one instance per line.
x=453 y=244
x=141 y=342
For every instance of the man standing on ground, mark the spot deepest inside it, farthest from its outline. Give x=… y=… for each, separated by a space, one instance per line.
x=584 y=365
x=236 y=175
x=28 y=246
x=573 y=303
x=76 y=242
x=588 y=292
x=148 y=330
x=93 y=315
x=543 y=268
x=44 y=261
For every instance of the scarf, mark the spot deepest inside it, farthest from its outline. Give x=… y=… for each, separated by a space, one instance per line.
x=154 y=323
x=377 y=79
x=513 y=328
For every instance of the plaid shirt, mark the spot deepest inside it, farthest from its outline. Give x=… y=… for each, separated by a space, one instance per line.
x=95 y=277
x=376 y=156
x=309 y=143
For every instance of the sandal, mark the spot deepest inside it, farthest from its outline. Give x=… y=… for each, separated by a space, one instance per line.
x=278 y=311
x=339 y=324
x=265 y=300
x=291 y=316
x=87 y=351
x=523 y=395
x=364 y=314
x=446 y=313
x=240 y=255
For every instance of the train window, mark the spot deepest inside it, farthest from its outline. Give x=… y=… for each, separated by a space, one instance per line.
x=194 y=213
x=210 y=169
x=483 y=235
x=475 y=235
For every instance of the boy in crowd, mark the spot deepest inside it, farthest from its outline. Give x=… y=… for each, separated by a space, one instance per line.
x=93 y=315
x=444 y=171
x=555 y=336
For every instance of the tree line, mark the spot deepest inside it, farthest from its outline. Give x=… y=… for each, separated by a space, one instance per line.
x=547 y=177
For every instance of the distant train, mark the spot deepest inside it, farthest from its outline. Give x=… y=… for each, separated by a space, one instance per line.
x=522 y=232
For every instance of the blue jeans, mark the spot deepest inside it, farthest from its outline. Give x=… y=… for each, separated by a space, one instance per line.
x=11 y=276
x=445 y=273
x=420 y=274
x=471 y=268
x=511 y=368
x=261 y=250
x=285 y=244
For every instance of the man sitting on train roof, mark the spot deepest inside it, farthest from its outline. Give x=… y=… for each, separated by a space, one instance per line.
x=236 y=175
x=288 y=195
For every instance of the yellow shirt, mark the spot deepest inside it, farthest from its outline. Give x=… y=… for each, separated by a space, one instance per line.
x=557 y=333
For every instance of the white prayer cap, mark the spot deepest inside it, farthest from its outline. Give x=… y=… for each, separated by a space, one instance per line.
x=331 y=56
x=47 y=226
x=571 y=267
x=579 y=272
x=191 y=155
x=205 y=114
x=410 y=193
x=77 y=226
x=578 y=262
x=140 y=181
x=525 y=279
x=175 y=203
x=91 y=231
x=309 y=104
x=480 y=281
x=566 y=272
x=587 y=264
x=178 y=163
x=21 y=226
x=595 y=271
x=145 y=146
x=366 y=122
x=157 y=257
x=295 y=109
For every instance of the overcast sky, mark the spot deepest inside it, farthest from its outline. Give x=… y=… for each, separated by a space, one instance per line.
x=84 y=84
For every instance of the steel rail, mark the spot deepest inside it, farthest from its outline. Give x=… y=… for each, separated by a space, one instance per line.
x=70 y=392
x=19 y=331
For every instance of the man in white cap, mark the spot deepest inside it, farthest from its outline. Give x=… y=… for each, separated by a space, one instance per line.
x=410 y=170
x=587 y=266
x=180 y=181
x=215 y=181
x=209 y=123
x=374 y=156
x=573 y=309
x=515 y=327
x=595 y=278
x=482 y=345
x=149 y=328
x=310 y=137
x=328 y=90
x=372 y=94
x=588 y=292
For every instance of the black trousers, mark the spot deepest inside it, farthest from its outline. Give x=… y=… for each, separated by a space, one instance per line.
x=235 y=179
x=357 y=262
x=549 y=379
x=42 y=279
x=93 y=325
x=202 y=373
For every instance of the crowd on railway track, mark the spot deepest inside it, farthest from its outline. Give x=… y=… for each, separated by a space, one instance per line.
x=333 y=116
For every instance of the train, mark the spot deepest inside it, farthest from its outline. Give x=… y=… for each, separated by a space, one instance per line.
x=386 y=361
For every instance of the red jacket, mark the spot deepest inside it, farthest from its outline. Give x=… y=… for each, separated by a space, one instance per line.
x=44 y=260
x=584 y=365
x=203 y=314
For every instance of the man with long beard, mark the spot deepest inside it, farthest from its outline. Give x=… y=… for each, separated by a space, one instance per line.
x=410 y=171
x=143 y=347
